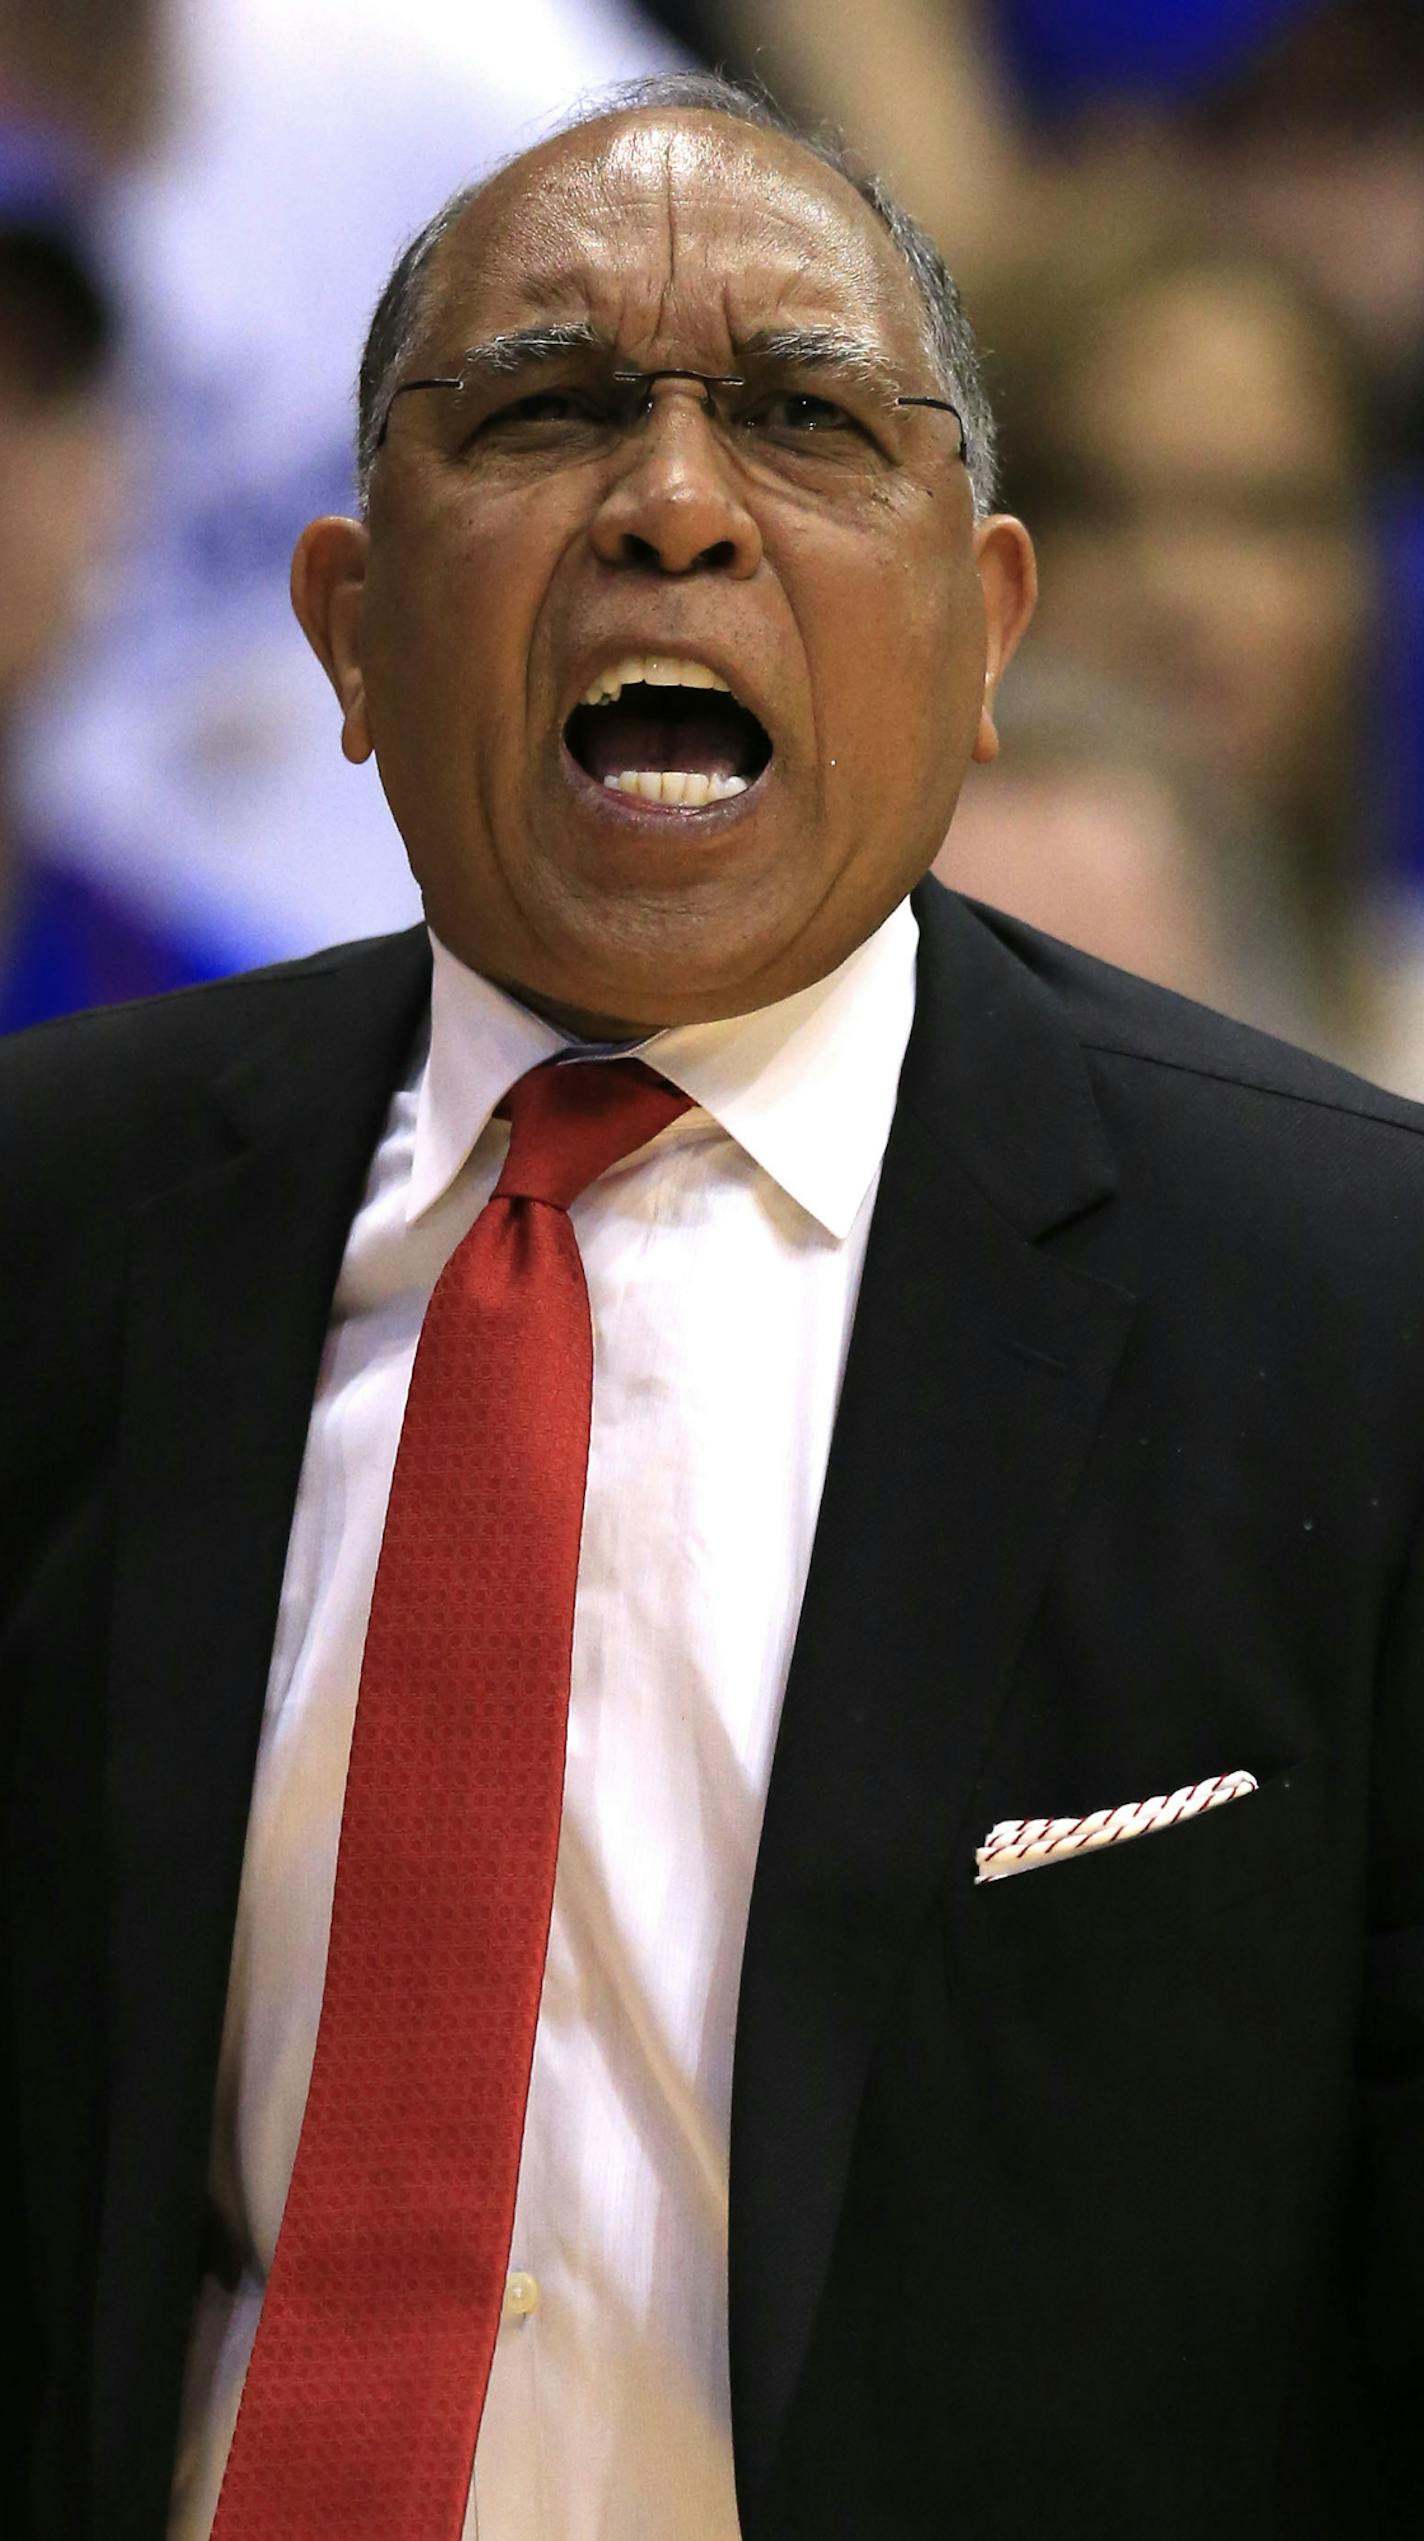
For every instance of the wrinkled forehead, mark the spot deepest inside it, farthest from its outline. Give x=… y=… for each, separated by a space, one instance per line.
x=679 y=233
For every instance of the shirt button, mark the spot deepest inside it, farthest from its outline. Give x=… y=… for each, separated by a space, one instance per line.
x=521 y=2295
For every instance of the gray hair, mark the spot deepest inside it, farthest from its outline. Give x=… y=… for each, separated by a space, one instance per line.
x=949 y=337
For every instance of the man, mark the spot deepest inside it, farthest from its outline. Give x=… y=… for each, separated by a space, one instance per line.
x=1096 y=825
x=1006 y=1414
x=66 y=939
x=248 y=222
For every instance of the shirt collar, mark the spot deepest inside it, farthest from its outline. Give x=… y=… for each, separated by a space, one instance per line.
x=807 y=1086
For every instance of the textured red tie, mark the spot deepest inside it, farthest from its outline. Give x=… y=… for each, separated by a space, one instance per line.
x=363 y=2396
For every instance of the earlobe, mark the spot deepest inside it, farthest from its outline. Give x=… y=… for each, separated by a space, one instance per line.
x=328 y=588
x=986 y=739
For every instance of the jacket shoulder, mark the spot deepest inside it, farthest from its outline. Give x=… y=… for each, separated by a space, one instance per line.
x=1154 y=1032
x=1236 y=1163
x=78 y=1089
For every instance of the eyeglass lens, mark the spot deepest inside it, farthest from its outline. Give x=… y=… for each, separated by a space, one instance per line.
x=784 y=410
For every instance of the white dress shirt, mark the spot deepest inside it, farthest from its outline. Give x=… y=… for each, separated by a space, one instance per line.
x=723 y=1263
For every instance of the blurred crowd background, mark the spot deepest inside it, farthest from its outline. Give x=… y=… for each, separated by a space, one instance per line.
x=1191 y=233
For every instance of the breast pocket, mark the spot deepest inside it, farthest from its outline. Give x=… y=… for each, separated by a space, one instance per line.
x=1184 y=1874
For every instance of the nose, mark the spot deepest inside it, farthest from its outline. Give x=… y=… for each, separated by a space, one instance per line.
x=673 y=506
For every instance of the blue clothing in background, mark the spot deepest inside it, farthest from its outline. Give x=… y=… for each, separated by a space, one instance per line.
x=1064 y=51
x=70 y=943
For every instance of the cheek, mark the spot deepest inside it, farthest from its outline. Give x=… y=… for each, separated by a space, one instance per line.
x=897 y=666
x=450 y=608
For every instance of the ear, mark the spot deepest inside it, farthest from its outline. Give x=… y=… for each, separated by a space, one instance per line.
x=1008 y=578
x=328 y=586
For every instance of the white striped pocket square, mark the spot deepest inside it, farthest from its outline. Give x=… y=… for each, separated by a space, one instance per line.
x=1017 y=1844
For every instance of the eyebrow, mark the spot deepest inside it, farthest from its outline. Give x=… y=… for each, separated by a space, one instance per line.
x=820 y=348
x=814 y=347
x=524 y=346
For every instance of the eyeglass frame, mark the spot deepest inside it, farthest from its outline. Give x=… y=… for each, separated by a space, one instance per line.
x=648 y=381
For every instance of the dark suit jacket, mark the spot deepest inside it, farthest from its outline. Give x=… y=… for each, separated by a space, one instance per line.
x=1090 y=2202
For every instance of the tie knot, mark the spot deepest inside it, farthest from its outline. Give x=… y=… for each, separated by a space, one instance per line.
x=571 y=1120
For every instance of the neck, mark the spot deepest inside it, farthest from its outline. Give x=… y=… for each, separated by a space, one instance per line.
x=577 y=1020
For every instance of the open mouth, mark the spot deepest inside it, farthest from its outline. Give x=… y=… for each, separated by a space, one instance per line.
x=667 y=732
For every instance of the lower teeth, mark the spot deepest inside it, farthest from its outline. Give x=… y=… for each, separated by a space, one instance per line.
x=690 y=788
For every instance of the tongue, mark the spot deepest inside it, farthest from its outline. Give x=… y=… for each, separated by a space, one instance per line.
x=707 y=742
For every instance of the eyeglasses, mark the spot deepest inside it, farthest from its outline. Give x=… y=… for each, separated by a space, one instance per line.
x=793 y=412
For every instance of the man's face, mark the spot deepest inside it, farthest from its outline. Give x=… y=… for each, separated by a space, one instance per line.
x=1219 y=536
x=820 y=558
x=59 y=475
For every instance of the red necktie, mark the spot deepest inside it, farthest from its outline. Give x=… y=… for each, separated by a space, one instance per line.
x=367 y=2380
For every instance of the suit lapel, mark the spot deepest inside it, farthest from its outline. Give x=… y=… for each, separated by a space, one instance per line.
x=977 y=1371
x=231 y=1277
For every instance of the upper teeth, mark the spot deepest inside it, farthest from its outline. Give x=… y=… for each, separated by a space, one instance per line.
x=653 y=670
